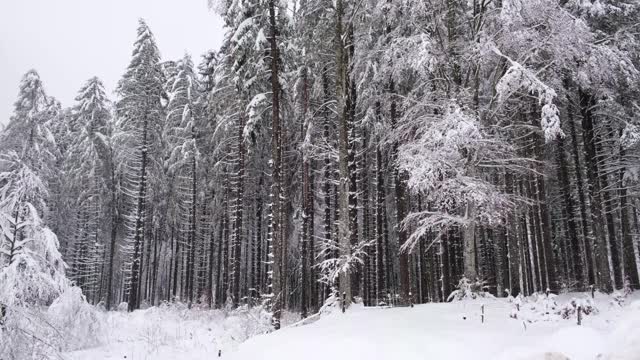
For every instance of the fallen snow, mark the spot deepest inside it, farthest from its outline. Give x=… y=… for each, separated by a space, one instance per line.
x=175 y=332
x=454 y=331
x=431 y=331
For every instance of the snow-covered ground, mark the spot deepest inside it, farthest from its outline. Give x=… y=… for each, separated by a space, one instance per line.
x=432 y=331
x=175 y=332
x=455 y=331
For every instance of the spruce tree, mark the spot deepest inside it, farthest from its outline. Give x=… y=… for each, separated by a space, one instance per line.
x=140 y=116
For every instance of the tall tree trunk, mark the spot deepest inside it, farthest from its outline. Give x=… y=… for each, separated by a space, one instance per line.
x=402 y=200
x=114 y=232
x=307 y=200
x=219 y=269
x=210 y=283
x=258 y=255
x=238 y=214
x=614 y=251
x=587 y=238
x=629 y=258
x=278 y=277
x=587 y=102
x=380 y=203
x=344 y=228
x=176 y=261
x=572 y=228
x=327 y=174
x=134 y=301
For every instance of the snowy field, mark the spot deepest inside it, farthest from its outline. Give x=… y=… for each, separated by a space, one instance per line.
x=431 y=331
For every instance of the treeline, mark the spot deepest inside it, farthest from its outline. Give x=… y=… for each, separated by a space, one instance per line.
x=396 y=147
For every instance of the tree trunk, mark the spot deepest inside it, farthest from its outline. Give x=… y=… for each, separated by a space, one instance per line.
x=587 y=236
x=114 y=233
x=307 y=200
x=587 y=102
x=565 y=189
x=276 y=151
x=630 y=266
x=344 y=228
x=134 y=301
x=238 y=214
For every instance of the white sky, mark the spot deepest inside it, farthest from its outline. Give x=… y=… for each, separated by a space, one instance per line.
x=69 y=41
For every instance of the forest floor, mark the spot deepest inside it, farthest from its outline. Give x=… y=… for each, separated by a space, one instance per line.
x=431 y=331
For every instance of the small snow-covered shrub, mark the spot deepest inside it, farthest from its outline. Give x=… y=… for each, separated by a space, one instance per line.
x=509 y=297
x=627 y=289
x=545 y=307
x=175 y=306
x=537 y=307
x=570 y=309
x=81 y=323
x=331 y=304
x=620 y=296
x=154 y=335
x=246 y=322
x=467 y=289
x=24 y=282
x=38 y=332
x=35 y=275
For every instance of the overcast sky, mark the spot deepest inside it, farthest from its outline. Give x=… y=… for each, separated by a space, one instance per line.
x=69 y=41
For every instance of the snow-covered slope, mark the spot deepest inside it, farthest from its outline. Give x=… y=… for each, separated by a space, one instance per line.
x=453 y=331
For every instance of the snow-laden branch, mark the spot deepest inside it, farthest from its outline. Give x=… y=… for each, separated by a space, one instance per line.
x=518 y=77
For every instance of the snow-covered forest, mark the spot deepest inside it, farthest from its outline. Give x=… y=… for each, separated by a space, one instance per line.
x=331 y=153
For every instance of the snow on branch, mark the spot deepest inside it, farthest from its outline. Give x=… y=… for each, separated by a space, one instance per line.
x=517 y=77
x=255 y=109
x=331 y=268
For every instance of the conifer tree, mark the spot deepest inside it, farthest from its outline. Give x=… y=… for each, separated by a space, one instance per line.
x=140 y=117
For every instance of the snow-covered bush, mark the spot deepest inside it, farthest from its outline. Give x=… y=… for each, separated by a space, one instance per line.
x=537 y=307
x=123 y=307
x=30 y=330
x=467 y=289
x=627 y=289
x=570 y=309
x=246 y=322
x=81 y=323
x=26 y=334
x=35 y=275
x=545 y=307
x=331 y=304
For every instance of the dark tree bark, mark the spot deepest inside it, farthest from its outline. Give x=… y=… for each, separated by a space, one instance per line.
x=572 y=227
x=307 y=202
x=278 y=278
x=587 y=236
x=114 y=230
x=238 y=214
x=629 y=258
x=587 y=103
x=134 y=300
